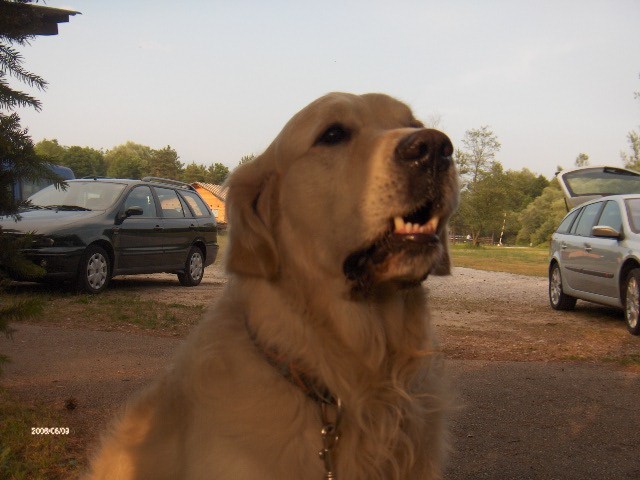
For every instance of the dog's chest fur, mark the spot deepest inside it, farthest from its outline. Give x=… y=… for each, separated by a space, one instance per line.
x=385 y=375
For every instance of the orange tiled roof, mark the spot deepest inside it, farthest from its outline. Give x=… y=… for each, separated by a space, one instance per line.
x=218 y=190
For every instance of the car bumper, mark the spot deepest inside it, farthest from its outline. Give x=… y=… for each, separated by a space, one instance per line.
x=56 y=264
x=211 y=254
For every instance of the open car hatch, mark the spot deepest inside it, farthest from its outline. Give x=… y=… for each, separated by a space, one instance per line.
x=588 y=183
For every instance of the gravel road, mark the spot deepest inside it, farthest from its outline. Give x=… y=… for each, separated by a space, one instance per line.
x=533 y=419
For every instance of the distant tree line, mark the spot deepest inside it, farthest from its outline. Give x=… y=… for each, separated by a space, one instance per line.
x=492 y=200
x=130 y=160
x=512 y=207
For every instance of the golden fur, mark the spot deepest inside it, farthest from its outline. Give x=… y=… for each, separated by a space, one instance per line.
x=296 y=214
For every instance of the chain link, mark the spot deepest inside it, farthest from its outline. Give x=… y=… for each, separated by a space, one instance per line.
x=330 y=436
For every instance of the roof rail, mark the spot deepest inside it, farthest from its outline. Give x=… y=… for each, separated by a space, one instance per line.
x=168 y=181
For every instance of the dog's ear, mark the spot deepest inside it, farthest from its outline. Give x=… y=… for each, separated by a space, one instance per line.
x=443 y=266
x=251 y=212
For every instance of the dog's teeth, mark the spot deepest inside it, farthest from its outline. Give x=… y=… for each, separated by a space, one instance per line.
x=432 y=225
x=402 y=227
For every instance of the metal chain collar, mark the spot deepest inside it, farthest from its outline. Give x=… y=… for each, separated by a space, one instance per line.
x=330 y=435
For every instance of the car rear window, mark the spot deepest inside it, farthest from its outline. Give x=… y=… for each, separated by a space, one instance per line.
x=599 y=181
x=196 y=204
x=170 y=203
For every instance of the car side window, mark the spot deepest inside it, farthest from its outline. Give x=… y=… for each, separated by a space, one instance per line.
x=170 y=203
x=587 y=219
x=610 y=216
x=143 y=198
x=197 y=205
x=566 y=223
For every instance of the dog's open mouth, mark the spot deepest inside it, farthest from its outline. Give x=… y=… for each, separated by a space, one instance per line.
x=412 y=235
x=420 y=226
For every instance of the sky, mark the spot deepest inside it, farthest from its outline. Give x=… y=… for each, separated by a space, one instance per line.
x=217 y=80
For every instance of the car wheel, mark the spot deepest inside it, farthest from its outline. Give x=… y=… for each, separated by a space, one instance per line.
x=94 y=271
x=632 y=301
x=193 y=268
x=557 y=298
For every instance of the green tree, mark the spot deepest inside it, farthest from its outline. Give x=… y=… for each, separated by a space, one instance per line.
x=194 y=173
x=85 y=162
x=482 y=205
x=50 y=150
x=130 y=160
x=521 y=188
x=217 y=173
x=632 y=159
x=542 y=216
x=478 y=156
x=165 y=163
x=582 y=160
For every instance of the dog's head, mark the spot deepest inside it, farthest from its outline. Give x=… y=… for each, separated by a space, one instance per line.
x=354 y=187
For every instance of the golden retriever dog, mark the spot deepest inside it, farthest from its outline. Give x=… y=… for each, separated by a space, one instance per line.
x=319 y=359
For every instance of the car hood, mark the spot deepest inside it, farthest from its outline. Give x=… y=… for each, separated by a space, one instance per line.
x=44 y=221
x=588 y=183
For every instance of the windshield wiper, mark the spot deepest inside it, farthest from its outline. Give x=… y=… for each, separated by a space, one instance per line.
x=70 y=208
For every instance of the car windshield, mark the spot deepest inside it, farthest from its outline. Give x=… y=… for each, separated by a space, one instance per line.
x=89 y=195
x=599 y=181
x=633 y=210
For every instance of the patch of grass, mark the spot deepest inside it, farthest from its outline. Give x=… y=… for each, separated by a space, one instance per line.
x=132 y=309
x=519 y=260
x=628 y=360
x=24 y=456
x=109 y=309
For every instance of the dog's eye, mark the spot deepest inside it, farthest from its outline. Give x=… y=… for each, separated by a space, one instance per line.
x=333 y=135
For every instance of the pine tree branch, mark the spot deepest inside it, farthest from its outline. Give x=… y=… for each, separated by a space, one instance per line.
x=11 y=63
x=11 y=99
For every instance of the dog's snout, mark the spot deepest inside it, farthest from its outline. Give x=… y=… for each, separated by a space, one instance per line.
x=426 y=147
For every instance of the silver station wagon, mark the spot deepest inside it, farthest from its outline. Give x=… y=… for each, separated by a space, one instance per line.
x=595 y=252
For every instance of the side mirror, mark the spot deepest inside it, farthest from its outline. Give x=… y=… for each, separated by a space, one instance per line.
x=133 y=211
x=122 y=216
x=605 y=232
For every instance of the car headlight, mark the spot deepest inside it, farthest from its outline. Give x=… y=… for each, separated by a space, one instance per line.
x=43 y=242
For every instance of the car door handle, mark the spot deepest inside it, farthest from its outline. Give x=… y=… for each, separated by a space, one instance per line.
x=563 y=246
x=587 y=248
x=192 y=227
x=158 y=228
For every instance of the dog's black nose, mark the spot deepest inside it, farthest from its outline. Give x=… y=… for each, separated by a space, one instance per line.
x=425 y=148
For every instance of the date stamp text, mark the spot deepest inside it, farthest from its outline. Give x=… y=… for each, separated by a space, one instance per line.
x=49 y=430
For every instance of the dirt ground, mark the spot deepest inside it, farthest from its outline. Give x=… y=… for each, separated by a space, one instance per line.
x=541 y=394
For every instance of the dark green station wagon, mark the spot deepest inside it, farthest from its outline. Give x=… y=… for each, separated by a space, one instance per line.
x=98 y=228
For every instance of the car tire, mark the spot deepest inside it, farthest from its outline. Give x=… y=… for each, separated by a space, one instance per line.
x=632 y=301
x=557 y=298
x=193 y=268
x=94 y=271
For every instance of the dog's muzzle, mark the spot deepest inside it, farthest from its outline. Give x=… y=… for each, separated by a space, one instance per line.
x=424 y=160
